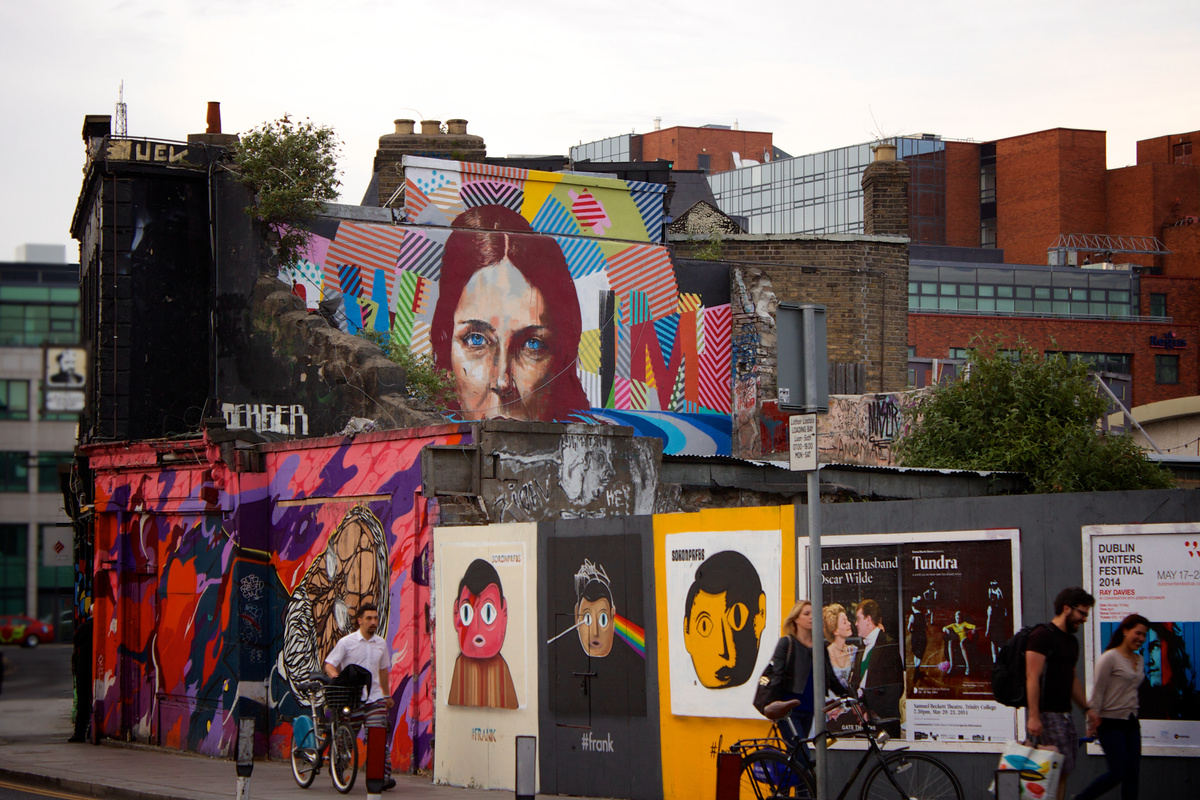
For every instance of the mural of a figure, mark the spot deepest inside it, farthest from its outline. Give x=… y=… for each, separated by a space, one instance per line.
x=481 y=676
x=595 y=615
x=507 y=322
x=724 y=616
x=351 y=570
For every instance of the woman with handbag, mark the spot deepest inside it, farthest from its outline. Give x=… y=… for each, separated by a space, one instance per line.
x=1119 y=673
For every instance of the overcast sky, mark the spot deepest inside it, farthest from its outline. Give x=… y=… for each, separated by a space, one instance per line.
x=536 y=76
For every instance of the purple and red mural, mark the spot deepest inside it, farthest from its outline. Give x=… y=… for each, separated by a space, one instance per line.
x=216 y=591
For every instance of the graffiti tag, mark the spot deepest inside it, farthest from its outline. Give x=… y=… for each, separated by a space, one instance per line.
x=266 y=418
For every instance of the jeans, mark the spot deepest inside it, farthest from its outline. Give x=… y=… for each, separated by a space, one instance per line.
x=1122 y=743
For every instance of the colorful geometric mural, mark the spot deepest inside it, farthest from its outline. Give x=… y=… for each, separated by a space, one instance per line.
x=546 y=295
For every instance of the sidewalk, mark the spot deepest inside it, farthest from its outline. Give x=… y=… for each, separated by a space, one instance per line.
x=39 y=755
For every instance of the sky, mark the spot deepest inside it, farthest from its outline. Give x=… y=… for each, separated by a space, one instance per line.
x=536 y=76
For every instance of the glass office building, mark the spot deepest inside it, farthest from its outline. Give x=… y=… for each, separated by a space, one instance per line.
x=822 y=193
x=614 y=148
x=1016 y=290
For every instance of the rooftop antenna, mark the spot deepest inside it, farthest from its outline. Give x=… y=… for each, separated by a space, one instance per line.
x=122 y=112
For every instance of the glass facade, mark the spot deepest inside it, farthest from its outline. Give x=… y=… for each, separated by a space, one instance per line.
x=614 y=148
x=14 y=399
x=1021 y=291
x=822 y=192
x=14 y=471
x=47 y=470
x=31 y=316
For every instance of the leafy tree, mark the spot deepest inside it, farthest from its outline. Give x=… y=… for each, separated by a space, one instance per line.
x=292 y=169
x=424 y=380
x=1037 y=415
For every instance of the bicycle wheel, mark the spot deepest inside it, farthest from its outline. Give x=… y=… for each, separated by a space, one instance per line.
x=768 y=774
x=343 y=759
x=919 y=776
x=304 y=752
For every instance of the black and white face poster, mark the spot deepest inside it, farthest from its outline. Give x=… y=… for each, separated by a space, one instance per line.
x=916 y=620
x=1154 y=571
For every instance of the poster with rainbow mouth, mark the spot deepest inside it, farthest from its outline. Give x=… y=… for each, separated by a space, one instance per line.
x=1154 y=571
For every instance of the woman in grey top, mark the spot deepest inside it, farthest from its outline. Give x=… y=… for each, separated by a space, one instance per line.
x=1115 y=699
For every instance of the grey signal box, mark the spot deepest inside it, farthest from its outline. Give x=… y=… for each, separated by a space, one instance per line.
x=803 y=361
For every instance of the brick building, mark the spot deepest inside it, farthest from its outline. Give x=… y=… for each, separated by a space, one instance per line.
x=709 y=149
x=1047 y=245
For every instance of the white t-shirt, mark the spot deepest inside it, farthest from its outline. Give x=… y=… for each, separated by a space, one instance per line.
x=370 y=654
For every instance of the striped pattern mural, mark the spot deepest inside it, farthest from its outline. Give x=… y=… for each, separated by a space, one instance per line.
x=655 y=341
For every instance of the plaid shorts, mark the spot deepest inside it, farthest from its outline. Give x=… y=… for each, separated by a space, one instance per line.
x=1058 y=729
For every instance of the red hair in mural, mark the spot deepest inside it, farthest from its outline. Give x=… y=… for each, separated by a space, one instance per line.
x=507 y=322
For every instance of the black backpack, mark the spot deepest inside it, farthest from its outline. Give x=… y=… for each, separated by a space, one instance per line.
x=1008 y=673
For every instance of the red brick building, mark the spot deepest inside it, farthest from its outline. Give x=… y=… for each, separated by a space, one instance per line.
x=1128 y=312
x=710 y=148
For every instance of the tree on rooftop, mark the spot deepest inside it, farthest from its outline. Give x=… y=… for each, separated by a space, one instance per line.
x=291 y=167
x=1037 y=415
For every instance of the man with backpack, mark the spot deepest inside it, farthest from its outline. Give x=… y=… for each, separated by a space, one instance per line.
x=1051 y=683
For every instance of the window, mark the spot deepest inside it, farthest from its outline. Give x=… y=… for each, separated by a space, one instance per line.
x=13 y=540
x=1182 y=153
x=14 y=471
x=987 y=233
x=704 y=162
x=1166 y=369
x=47 y=470
x=959 y=352
x=33 y=315
x=1158 y=305
x=14 y=399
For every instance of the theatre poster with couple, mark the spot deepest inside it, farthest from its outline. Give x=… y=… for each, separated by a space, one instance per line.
x=946 y=600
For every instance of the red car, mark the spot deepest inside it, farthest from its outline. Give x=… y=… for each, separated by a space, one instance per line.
x=15 y=629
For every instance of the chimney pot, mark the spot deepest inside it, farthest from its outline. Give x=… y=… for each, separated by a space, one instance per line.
x=214 y=117
x=405 y=126
x=431 y=127
x=456 y=126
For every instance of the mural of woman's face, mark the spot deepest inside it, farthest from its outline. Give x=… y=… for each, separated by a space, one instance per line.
x=501 y=346
x=481 y=622
x=596 y=626
x=843 y=626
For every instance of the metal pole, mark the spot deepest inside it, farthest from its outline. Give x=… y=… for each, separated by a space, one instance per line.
x=815 y=597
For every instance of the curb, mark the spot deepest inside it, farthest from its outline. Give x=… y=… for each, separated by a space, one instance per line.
x=85 y=788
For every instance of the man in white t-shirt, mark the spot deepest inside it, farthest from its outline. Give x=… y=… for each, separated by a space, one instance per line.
x=370 y=652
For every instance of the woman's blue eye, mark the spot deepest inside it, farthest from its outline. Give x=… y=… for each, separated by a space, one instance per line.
x=534 y=344
x=474 y=340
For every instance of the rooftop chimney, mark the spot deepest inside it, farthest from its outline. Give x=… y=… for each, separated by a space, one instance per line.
x=456 y=126
x=431 y=127
x=212 y=133
x=404 y=127
x=214 y=117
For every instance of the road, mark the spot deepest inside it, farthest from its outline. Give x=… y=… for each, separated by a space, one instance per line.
x=36 y=700
x=14 y=791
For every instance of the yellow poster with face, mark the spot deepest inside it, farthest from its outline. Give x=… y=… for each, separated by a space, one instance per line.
x=724 y=581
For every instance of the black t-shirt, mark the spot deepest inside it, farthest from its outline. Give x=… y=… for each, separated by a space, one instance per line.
x=1062 y=652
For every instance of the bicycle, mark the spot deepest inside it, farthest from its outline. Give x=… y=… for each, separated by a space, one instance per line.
x=774 y=768
x=332 y=724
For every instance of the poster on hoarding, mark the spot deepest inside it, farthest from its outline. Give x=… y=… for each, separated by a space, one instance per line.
x=723 y=607
x=1152 y=570
x=925 y=615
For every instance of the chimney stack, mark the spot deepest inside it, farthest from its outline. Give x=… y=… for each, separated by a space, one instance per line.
x=431 y=127
x=214 y=117
x=404 y=127
x=212 y=133
x=456 y=127
x=885 y=198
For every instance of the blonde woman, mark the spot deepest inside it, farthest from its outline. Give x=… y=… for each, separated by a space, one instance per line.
x=841 y=655
x=798 y=628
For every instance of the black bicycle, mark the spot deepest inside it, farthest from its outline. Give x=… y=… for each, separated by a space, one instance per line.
x=774 y=768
